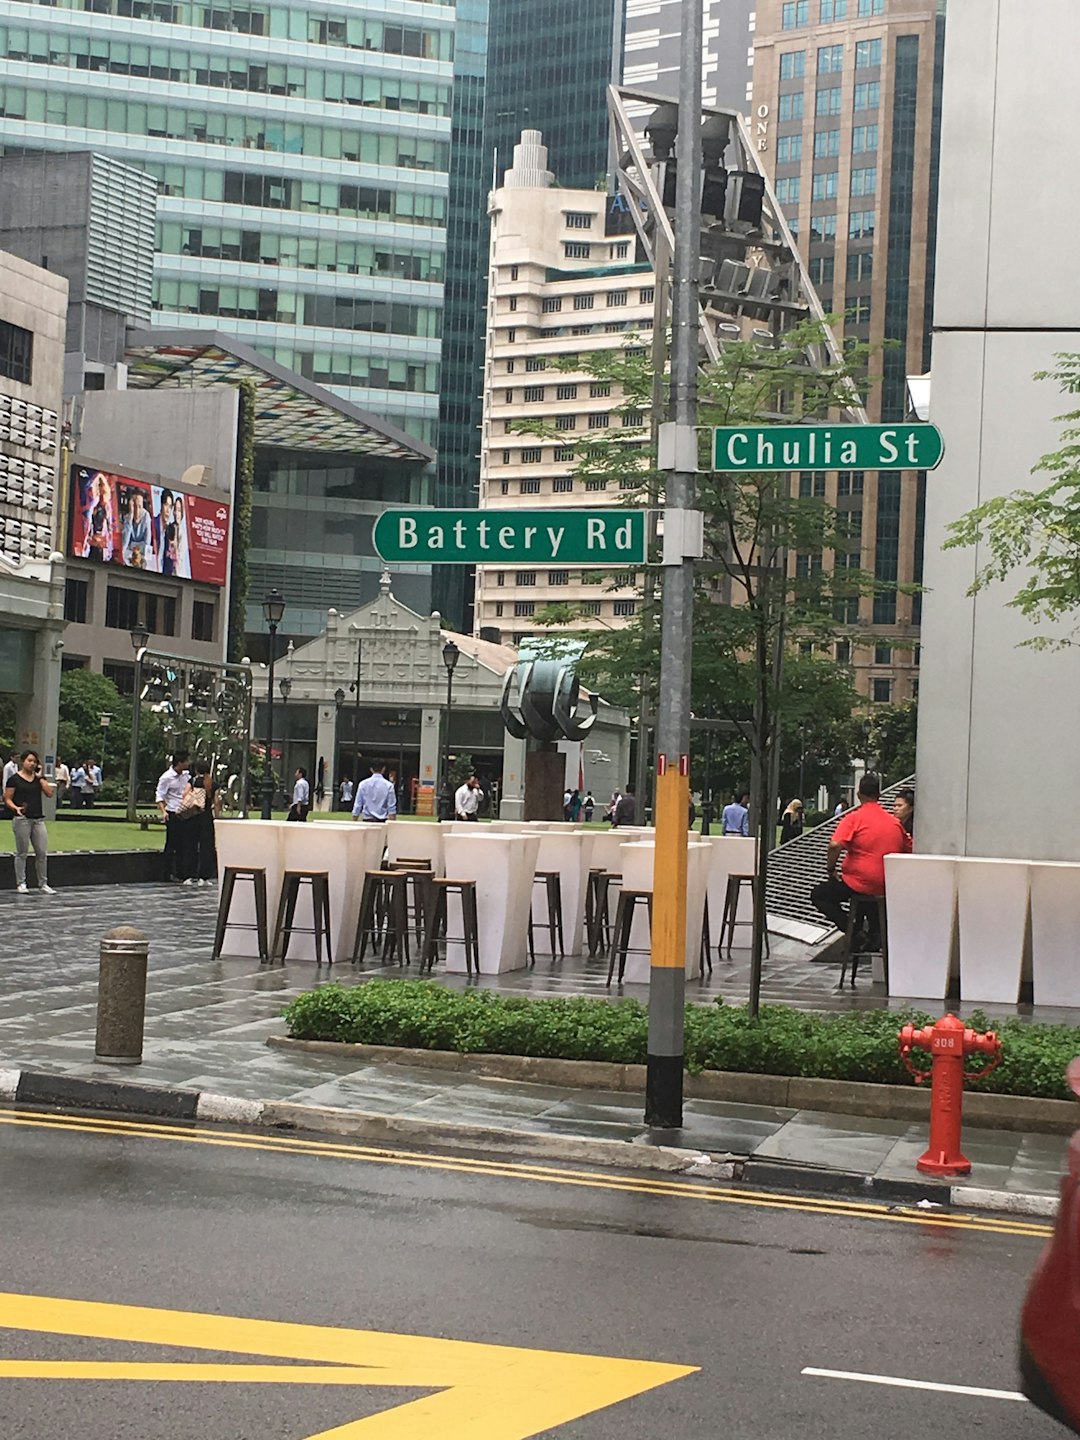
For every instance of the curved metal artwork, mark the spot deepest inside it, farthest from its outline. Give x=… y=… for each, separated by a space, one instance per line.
x=541 y=698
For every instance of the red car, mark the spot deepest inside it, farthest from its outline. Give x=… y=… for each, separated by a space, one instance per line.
x=1050 y=1322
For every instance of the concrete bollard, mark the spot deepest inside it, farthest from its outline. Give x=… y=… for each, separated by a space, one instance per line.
x=121 y=997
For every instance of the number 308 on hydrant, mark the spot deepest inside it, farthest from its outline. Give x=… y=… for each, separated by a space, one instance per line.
x=949 y=1041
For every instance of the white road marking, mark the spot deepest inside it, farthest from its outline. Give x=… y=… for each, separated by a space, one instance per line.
x=903 y=1384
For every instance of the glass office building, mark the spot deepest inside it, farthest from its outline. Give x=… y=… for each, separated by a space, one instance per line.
x=302 y=153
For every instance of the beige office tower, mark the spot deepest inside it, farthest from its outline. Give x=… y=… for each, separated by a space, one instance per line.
x=845 y=118
x=563 y=281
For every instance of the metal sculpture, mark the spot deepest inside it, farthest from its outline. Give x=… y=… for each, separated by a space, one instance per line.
x=541 y=696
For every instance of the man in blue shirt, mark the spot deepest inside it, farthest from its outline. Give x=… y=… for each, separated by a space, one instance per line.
x=376 y=798
x=736 y=820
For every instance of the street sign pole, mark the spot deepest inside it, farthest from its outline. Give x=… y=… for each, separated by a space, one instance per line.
x=667 y=977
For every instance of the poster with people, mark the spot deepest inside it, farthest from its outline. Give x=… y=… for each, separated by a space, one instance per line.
x=119 y=520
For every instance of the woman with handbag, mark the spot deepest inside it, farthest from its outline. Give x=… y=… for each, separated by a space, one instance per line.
x=194 y=814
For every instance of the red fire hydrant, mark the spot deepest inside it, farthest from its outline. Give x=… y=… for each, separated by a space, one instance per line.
x=948 y=1042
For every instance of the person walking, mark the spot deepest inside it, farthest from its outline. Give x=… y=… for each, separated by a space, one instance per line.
x=468 y=798
x=169 y=794
x=61 y=782
x=589 y=806
x=345 y=793
x=376 y=798
x=23 y=793
x=736 y=816
x=791 y=822
x=574 y=807
x=301 y=797
x=625 y=809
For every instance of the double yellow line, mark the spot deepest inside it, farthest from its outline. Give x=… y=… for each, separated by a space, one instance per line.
x=696 y=1191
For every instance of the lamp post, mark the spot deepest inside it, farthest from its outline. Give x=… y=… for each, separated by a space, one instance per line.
x=105 y=720
x=354 y=686
x=273 y=608
x=140 y=638
x=450 y=656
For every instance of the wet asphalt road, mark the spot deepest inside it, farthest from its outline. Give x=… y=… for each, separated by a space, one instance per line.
x=749 y=1293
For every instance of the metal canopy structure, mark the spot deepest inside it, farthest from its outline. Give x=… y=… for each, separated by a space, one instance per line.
x=292 y=413
x=753 y=284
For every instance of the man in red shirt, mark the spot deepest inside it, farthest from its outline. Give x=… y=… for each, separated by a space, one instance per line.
x=865 y=837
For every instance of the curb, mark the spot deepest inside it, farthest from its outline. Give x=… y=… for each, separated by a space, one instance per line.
x=74 y=1094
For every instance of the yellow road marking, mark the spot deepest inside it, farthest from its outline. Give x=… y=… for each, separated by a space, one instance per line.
x=481 y=1392
x=523 y=1170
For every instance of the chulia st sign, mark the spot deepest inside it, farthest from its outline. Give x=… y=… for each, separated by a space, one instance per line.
x=613 y=536
x=826 y=447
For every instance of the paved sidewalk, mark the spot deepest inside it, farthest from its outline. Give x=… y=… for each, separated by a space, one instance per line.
x=207 y=1024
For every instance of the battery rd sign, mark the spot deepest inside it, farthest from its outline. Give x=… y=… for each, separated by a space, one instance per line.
x=513 y=537
x=757 y=448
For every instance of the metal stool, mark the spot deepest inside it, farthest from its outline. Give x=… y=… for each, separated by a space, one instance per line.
x=731 y=912
x=419 y=877
x=864 y=908
x=384 y=916
x=624 y=924
x=705 y=956
x=437 y=923
x=257 y=875
x=597 y=915
x=284 y=930
x=552 y=883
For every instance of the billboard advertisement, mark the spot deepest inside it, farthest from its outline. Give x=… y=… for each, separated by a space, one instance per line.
x=118 y=520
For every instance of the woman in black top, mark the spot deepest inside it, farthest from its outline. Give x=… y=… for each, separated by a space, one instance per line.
x=791 y=822
x=22 y=797
x=199 y=851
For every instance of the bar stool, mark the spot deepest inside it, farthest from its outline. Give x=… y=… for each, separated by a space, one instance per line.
x=419 y=878
x=705 y=956
x=624 y=924
x=597 y=915
x=552 y=883
x=437 y=923
x=863 y=909
x=384 y=915
x=257 y=875
x=284 y=930
x=731 y=912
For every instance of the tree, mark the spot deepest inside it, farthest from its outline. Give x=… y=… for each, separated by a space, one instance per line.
x=890 y=740
x=1037 y=529
x=84 y=697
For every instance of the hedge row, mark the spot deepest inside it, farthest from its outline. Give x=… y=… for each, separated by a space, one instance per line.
x=854 y=1046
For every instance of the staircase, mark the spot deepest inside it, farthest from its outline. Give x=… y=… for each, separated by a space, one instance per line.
x=794 y=870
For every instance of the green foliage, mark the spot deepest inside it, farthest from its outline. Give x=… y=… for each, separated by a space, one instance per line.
x=241 y=523
x=461 y=767
x=859 y=1046
x=890 y=740
x=84 y=697
x=1036 y=530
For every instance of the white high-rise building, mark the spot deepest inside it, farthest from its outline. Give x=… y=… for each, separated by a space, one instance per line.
x=651 y=54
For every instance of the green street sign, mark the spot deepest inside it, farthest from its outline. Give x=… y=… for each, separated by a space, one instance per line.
x=612 y=536
x=756 y=448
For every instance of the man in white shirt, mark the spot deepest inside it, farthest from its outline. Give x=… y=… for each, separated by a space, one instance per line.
x=468 y=798
x=62 y=781
x=169 y=793
x=376 y=798
x=10 y=769
x=345 y=794
x=301 y=797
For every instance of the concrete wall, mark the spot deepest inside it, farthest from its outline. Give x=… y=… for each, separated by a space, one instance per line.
x=999 y=755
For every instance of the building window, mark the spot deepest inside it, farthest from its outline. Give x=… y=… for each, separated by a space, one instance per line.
x=796 y=13
x=826 y=144
x=864 y=139
x=566 y=392
x=828 y=101
x=525 y=577
x=122 y=676
x=532 y=456
x=621 y=250
x=826 y=185
x=599 y=422
x=812 y=484
x=882 y=692
x=577 y=250
x=509 y=367
x=535 y=362
x=632 y=418
x=867 y=54
x=868 y=95
x=552 y=305
x=121 y=608
x=843 y=652
x=562 y=484
x=788 y=189
x=590 y=607
x=864 y=181
x=202 y=620
x=161 y=614
x=871 y=7
x=563 y=456
x=76 y=594
x=646 y=295
x=857 y=309
x=507 y=456
x=558 y=577
x=850 y=482
x=833 y=10
x=595 y=485
x=578 y=220
x=511 y=337
x=788 y=149
x=617 y=297
x=821 y=269
x=500 y=577
x=860 y=265
x=624 y=607
x=499 y=607
x=599 y=390
x=566 y=422
x=583 y=302
x=524 y=608
x=822 y=227
x=16 y=352
x=790 y=106
x=533 y=394
x=882 y=654
x=504 y=487
x=508 y=397
x=513 y=302
x=861 y=225
x=528 y=487
x=830 y=59
x=793 y=65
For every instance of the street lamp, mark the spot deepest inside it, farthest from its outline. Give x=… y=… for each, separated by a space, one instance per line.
x=140 y=638
x=273 y=608
x=450 y=656
x=354 y=686
x=105 y=720
x=285 y=686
